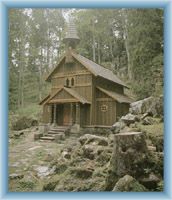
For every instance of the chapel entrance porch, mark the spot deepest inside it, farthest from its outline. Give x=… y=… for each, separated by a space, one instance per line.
x=66 y=114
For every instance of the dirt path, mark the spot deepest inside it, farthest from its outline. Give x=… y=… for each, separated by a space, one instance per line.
x=30 y=158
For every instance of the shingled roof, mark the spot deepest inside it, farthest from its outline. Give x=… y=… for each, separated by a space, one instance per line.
x=94 y=68
x=98 y=70
x=121 y=98
x=49 y=99
x=71 y=32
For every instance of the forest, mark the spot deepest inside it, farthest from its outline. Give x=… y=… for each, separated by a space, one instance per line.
x=127 y=41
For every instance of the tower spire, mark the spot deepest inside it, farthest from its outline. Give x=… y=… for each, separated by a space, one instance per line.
x=71 y=38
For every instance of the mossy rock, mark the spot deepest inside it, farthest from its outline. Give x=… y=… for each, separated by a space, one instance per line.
x=24 y=122
x=128 y=184
x=80 y=172
x=51 y=183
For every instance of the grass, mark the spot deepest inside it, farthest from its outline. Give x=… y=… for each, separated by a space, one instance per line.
x=154 y=130
x=31 y=110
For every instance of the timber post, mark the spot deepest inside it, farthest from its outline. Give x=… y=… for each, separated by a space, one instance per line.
x=55 y=115
x=77 y=121
x=71 y=114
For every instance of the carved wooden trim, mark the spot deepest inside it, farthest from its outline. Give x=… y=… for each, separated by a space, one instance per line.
x=104 y=99
x=62 y=75
x=63 y=101
x=59 y=87
x=83 y=85
x=76 y=85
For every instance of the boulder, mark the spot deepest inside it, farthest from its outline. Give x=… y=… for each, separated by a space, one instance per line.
x=156 y=108
x=51 y=183
x=89 y=151
x=61 y=167
x=128 y=184
x=148 y=121
x=151 y=105
x=129 y=119
x=24 y=122
x=66 y=154
x=117 y=127
x=17 y=134
x=141 y=107
x=81 y=172
x=43 y=171
x=15 y=176
x=88 y=138
x=150 y=182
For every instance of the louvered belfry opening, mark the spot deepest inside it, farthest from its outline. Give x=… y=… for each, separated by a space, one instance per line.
x=71 y=40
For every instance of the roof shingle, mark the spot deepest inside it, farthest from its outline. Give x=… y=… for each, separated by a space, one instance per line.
x=121 y=98
x=98 y=70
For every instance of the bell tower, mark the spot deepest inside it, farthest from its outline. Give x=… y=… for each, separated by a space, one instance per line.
x=71 y=38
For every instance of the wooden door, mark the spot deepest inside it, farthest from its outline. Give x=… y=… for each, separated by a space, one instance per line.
x=66 y=114
x=59 y=114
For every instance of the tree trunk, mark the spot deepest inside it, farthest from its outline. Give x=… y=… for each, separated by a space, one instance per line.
x=125 y=28
x=127 y=149
x=111 y=52
x=40 y=76
x=93 y=45
x=20 y=77
x=129 y=157
x=99 y=57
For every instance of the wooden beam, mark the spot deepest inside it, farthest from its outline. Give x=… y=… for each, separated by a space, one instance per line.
x=78 y=73
x=63 y=101
x=104 y=99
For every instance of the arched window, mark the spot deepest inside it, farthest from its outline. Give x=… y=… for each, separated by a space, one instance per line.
x=72 y=82
x=67 y=82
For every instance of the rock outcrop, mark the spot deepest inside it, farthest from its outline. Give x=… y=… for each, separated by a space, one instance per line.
x=152 y=105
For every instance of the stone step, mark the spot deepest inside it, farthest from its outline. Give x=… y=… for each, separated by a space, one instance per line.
x=55 y=132
x=58 y=129
x=49 y=135
x=47 y=138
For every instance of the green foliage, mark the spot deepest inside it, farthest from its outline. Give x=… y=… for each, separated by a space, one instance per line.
x=160 y=186
x=145 y=39
x=31 y=110
x=34 y=37
x=127 y=41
